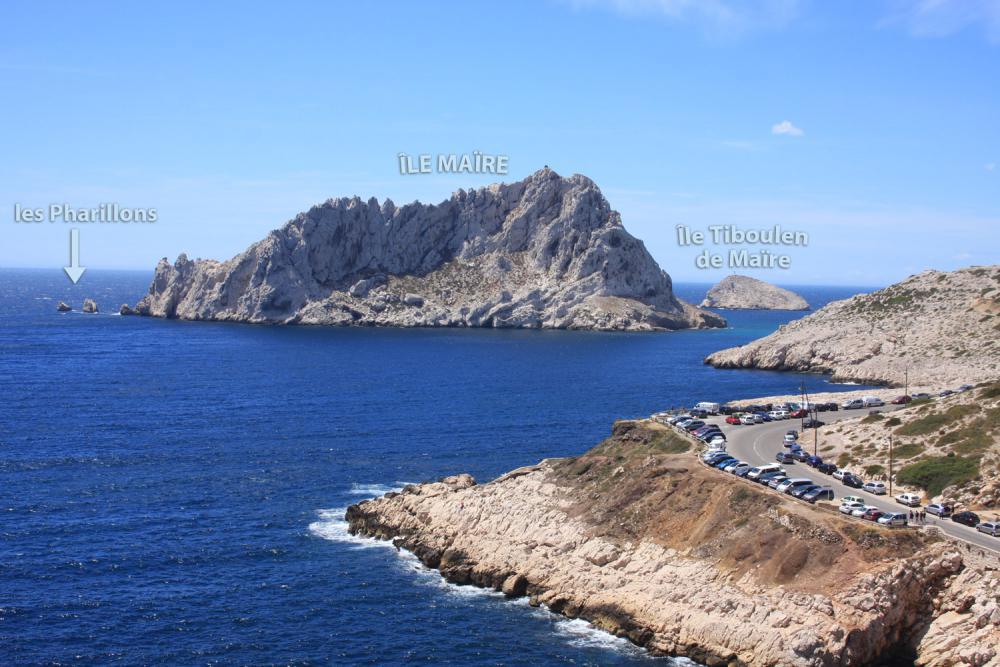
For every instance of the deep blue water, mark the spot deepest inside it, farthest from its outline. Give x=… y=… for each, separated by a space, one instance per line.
x=172 y=492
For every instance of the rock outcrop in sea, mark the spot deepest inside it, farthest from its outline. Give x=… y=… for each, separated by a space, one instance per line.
x=89 y=306
x=940 y=329
x=640 y=539
x=64 y=307
x=545 y=252
x=744 y=292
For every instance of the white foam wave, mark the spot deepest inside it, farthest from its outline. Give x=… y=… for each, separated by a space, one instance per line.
x=333 y=526
x=374 y=490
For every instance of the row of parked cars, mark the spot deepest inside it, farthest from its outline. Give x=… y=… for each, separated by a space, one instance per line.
x=966 y=518
x=771 y=475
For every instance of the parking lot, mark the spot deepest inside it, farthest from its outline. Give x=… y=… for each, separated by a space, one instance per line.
x=758 y=444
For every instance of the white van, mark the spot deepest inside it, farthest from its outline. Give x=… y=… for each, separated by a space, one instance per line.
x=872 y=402
x=853 y=404
x=763 y=470
x=711 y=408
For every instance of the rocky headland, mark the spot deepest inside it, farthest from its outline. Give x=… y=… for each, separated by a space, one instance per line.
x=746 y=293
x=641 y=540
x=940 y=328
x=545 y=252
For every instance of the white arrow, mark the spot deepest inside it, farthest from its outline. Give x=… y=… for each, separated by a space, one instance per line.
x=74 y=270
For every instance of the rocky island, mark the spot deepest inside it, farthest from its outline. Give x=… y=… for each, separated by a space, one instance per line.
x=938 y=328
x=545 y=252
x=746 y=293
x=641 y=540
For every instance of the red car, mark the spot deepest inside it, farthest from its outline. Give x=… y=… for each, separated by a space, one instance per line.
x=732 y=419
x=872 y=515
x=902 y=400
x=799 y=414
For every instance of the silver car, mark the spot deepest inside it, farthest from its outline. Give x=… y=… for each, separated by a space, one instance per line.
x=990 y=528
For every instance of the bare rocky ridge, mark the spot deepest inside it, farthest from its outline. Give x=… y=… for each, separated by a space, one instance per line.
x=545 y=252
x=744 y=292
x=942 y=327
x=640 y=539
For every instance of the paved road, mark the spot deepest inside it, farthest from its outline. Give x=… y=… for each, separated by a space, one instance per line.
x=759 y=443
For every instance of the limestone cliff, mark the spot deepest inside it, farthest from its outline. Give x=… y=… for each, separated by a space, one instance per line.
x=639 y=538
x=545 y=252
x=941 y=328
x=744 y=292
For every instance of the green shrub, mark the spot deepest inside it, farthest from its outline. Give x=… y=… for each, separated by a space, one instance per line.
x=871 y=419
x=875 y=469
x=893 y=421
x=934 y=474
x=938 y=420
x=907 y=451
x=990 y=391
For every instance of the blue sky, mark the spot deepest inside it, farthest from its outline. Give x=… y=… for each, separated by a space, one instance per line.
x=229 y=118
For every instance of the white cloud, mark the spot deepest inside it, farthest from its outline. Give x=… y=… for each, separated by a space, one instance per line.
x=786 y=127
x=715 y=16
x=941 y=18
x=990 y=166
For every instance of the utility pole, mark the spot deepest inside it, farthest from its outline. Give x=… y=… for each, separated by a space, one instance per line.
x=890 y=464
x=906 y=381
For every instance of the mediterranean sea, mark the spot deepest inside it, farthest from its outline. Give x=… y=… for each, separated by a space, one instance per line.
x=173 y=492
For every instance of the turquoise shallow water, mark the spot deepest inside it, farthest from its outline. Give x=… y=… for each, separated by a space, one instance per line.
x=173 y=491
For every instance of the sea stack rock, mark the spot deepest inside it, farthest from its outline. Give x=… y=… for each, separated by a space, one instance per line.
x=746 y=293
x=126 y=310
x=545 y=252
x=63 y=307
x=89 y=306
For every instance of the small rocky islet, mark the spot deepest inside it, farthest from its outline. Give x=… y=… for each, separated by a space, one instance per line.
x=746 y=293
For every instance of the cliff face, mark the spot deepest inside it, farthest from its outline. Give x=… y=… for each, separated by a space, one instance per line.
x=545 y=252
x=641 y=540
x=942 y=327
x=744 y=292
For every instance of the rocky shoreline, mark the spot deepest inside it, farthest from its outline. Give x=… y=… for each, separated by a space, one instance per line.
x=935 y=329
x=639 y=539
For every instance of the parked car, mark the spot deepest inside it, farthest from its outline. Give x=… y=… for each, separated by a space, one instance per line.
x=938 y=509
x=773 y=482
x=966 y=518
x=841 y=473
x=800 y=491
x=721 y=465
x=677 y=418
x=872 y=514
x=784 y=457
x=764 y=417
x=800 y=455
x=872 y=402
x=693 y=425
x=878 y=488
x=789 y=484
x=756 y=472
x=791 y=437
x=827 y=468
x=902 y=400
x=766 y=478
x=819 y=493
x=848 y=507
x=946 y=392
x=717 y=443
x=711 y=458
x=853 y=404
x=853 y=481
x=813 y=423
x=861 y=511
x=778 y=414
x=733 y=419
x=908 y=499
x=735 y=464
x=964 y=387
x=814 y=461
x=699 y=413
x=747 y=419
x=799 y=414
x=893 y=519
x=741 y=470
x=853 y=499
x=990 y=528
